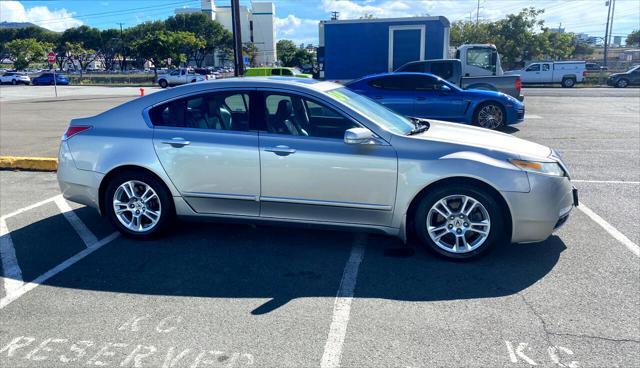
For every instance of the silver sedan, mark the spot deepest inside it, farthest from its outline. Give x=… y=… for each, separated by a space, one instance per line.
x=302 y=151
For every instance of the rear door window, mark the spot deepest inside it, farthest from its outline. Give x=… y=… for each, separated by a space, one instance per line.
x=275 y=71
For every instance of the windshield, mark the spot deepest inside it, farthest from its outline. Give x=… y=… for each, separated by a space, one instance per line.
x=634 y=68
x=373 y=111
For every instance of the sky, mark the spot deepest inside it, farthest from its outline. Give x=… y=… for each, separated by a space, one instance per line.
x=298 y=19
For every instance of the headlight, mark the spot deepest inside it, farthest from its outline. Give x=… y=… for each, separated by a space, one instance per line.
x=548 y=168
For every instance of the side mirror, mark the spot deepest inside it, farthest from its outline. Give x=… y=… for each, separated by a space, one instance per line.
x=444 y=88
x=359 y=136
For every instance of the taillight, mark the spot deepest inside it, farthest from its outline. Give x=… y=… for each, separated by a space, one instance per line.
x=518 y=84
x=584 y=73
x=75 y=129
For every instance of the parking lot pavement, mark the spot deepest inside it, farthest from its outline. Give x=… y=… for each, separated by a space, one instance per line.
x=20 y=92
x=209 y=294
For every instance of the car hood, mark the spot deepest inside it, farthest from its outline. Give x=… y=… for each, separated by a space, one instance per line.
x=483 y=139
x=616 y=75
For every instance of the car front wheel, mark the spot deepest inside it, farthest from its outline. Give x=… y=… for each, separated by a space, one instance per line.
x=489 y=115
x=459 y=222
x=622 y=83
x=137 y=204
x=163 y=83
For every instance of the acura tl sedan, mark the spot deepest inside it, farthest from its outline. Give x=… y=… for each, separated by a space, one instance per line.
x=292 y=150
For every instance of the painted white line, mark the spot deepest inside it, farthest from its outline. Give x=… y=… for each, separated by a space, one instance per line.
x=30 y=207
x=9 y=298
x=83 y=231
x=531 y=116
x=605 y=181
x=598 y=150
x=12 y=275
x=633 y=247
x=342 y=305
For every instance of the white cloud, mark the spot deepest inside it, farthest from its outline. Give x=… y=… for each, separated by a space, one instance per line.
x=296 y=29
x=55 y=20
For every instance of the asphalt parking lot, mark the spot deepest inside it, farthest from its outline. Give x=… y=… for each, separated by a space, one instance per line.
x=74 y=293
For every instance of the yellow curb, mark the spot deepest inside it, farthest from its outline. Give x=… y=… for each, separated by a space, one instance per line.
x=29 y=163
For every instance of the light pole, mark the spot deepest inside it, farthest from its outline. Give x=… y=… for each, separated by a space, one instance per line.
x=606 y=32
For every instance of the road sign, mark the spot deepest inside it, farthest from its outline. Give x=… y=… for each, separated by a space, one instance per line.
x=52 y=57
x=245 y=59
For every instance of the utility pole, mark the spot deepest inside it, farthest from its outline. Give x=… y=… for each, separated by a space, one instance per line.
x=606 y=33
x=335 y=15
x=477 y=13
x=613 y=10
x=123 y=63
x=237 y=39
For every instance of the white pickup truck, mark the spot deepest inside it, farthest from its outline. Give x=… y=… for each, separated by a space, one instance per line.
x=567 y=73
x=180 y=76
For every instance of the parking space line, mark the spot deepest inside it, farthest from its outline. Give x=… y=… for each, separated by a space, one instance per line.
x=11 y=273
x=633 y=247
x=29 y=207
x=83 y=231
x=342 y=305
x=605 y=181
x=9 y=298
x=532 y=116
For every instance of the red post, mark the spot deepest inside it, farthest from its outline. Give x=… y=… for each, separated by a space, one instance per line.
x=141 y=92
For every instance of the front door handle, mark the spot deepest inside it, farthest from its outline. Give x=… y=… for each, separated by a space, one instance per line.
x=378 y=97
x=281 y=150
x=421 y=98
x=177 y=142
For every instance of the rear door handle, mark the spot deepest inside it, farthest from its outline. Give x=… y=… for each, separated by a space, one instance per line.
x=281 y=150
x=177 y=142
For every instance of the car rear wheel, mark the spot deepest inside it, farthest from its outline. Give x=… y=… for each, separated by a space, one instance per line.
x=138 y=204
x=490 y=116
x=459 y=222
x=14 y=82
x=622 y=83
x=163 y=83
x=568 y=82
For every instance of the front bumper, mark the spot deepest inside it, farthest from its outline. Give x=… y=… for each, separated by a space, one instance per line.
x=545 y=208
x=515 y=114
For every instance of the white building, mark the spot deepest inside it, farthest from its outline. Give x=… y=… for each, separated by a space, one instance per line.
x=257 y=25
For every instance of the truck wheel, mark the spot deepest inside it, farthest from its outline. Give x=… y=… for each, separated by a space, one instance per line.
x=193 y=81
x=568 y=82
x=489 y=115
x=163 y=83
x=622 y=83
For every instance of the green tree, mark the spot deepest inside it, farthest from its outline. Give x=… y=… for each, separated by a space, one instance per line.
x=285 y=50
x=251 y=51
x=79 y=55
x=22 y=52
x=110 y=47
x=465 y=32
x=633 y=39
x=515 y=36
x=184 y=44
x=555 y=45
x=581 y=48
x=160 y=46
x=216 y=38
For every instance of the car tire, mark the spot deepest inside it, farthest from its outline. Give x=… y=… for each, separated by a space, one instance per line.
x=622 y=83
x=193 y=81
x=444 y=235
x=145 y=206
x=163 y=83
x=568 y=82
x=14 y=82
x=490 y=115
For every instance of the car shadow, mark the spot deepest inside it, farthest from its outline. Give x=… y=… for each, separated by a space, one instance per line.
x=212 y=260
x=509 y=129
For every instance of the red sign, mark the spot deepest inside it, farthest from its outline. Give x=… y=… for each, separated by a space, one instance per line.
x=52 y=57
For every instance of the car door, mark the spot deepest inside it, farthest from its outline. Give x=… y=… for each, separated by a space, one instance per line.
x=393 y=91
x=309 y=173
x=546 y=74
x=635 y=77
x=531 y=74
x=436 y=100
x=207 y=149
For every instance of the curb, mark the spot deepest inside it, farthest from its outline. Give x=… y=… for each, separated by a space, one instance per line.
x=28 y=163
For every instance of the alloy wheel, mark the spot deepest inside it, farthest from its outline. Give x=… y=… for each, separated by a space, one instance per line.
x=490 y=116
x=137 y=206
x=458 y=223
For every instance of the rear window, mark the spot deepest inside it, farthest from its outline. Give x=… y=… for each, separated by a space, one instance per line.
x=413 y=67
x=442 y=70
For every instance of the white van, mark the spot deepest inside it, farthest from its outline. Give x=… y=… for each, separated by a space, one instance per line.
x=567 y=73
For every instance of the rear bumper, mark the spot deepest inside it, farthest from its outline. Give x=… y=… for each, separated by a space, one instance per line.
x=80 y=186
x=535 y=215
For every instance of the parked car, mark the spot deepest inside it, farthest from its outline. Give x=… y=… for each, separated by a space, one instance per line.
x=47 y=79
x=451 y=71
x=293 y=150
x=595 y=67
x=264 y=72
x=179 y=76
x=15 y=78
x=629 y=78
x=425 y=95
x=566 y=73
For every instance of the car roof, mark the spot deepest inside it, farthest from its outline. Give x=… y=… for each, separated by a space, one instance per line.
x=395 y=74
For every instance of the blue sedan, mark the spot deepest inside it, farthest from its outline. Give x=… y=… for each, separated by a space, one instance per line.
x=424 y=95
x=47 y=79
